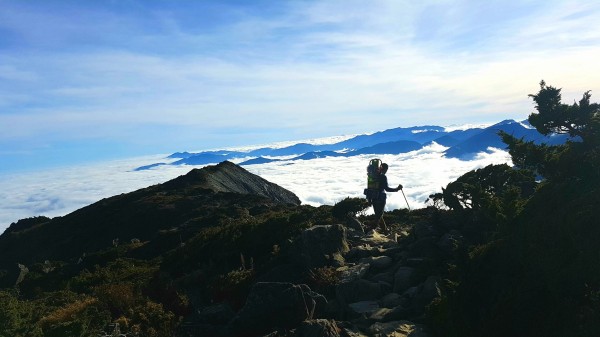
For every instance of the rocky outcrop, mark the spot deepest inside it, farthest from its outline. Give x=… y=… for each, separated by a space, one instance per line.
x=385 y=285
x=229 y=177
x=277 y=305
x=182 y=204
x=324 y=246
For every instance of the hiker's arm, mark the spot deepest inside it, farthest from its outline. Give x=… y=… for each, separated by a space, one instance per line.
x=386 y=187
x=389 y=189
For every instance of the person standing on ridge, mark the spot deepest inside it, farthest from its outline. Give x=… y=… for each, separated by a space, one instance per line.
x=380 y=200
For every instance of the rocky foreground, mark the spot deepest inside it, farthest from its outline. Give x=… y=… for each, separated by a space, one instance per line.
x=383 y=286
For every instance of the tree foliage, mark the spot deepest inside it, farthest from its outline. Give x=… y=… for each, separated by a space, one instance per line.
x=577 y=120
x=579 y=157
x=543 y=279
x=485 y=187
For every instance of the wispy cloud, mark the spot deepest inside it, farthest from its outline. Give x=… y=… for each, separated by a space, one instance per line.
x=175 y=76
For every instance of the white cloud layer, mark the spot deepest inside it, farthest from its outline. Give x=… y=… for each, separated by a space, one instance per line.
x=316 y=182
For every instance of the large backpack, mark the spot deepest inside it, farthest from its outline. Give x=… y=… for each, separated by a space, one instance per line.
x=373 y=173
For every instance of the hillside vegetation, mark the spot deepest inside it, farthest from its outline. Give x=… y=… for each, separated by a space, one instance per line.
x=537 y=272
x=501 y=251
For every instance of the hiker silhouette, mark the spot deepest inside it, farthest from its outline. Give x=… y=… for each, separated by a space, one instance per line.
x=379 y=200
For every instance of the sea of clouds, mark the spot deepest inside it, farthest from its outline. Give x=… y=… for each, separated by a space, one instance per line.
x=316 y=182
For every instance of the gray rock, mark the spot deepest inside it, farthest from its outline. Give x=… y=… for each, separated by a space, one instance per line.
x=353 y=331
x=390 y=300
x=359 y=290
x=403 y=279
x=323 y=245
x=428 y=291
x=351 y=273
x=387 y=277
x=364 y=307
x=355 y=224
x=431 y=288
x=411 y=292
x=397 y=329
x=273 y=305
x=337 y=260
x=392 y=251
x=388 y=315
x=417 y=262
x=360 y=252
x=378 y=262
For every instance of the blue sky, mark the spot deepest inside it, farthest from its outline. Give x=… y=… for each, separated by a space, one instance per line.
x=84 y=81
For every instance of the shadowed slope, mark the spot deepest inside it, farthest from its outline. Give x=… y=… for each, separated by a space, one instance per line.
x=158 y=214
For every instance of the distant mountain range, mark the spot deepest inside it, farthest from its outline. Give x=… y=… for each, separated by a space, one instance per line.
x=462 y=144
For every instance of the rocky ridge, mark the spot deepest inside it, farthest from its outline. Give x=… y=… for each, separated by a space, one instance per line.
x=229 y=177
x=384 y=286
x=179 y=205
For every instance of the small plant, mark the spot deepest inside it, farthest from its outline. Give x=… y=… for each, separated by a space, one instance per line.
x=349 y=207
x=323 y=280
x=233 y=287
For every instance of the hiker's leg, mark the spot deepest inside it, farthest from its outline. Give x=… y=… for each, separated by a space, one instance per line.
x=378 y=206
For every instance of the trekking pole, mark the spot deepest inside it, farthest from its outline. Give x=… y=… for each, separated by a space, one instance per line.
x=405 y=200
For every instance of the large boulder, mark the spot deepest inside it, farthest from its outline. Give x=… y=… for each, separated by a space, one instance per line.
x=274 y=305
x=324 y=245
x=403 y=279
x=360 y=290
x=428 y=291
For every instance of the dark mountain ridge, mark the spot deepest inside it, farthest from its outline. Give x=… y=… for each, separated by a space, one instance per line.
x=147 y=214
x=488 y=137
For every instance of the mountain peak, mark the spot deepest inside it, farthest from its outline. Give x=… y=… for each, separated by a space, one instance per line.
x=504 y=122
x=229 y=177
